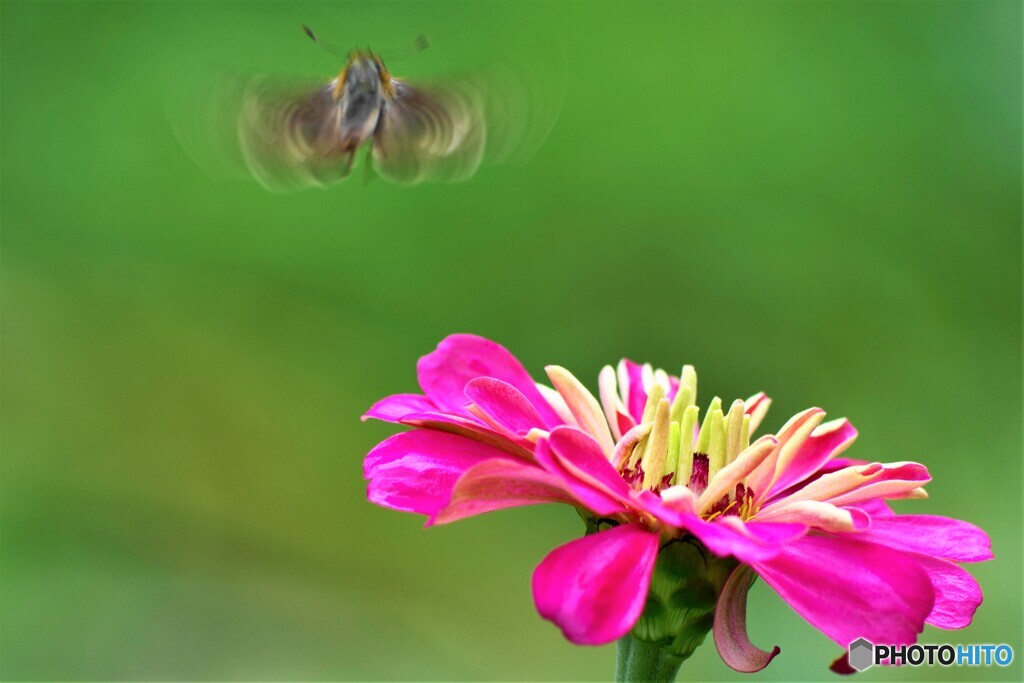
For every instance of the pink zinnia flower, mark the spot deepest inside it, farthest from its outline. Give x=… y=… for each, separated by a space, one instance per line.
x=658 y=486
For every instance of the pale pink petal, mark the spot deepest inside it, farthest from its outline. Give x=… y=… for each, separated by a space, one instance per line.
x=608 y=391
x=857 y=484
x=470 y=428
x=833 y=465
x=590 y=496
x=957 y=594
x=945 y=537
x=825 y=442
x=635 y=394
x=595 y=587
x=730 y=627
x=584 y=407
x=581 y=456
x=394 y=408
x=790 y=438
x=849 y=589
x=416 y=471
x=628 y=441
x=459 y=358
x=504 y=404
x=756 y=407
x=823 y=516
x=875 y=509
x=557 y=404
x=498 y=484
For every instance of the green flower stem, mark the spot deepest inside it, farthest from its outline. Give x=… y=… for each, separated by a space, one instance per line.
x=637 y=660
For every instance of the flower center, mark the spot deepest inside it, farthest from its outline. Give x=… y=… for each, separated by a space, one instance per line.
x=668 y=448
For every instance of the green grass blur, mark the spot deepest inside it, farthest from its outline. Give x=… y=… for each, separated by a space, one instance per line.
x=817 y=199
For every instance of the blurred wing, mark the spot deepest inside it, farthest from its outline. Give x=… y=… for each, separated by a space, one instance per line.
x=290 y=136
x=436 y=134
x=522 y=98
x=500 y=115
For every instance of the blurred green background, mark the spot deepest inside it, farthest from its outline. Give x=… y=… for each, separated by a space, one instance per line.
x=817 y=199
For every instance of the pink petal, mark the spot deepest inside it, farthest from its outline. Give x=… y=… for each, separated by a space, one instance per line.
x=471 y=429
x=505 y=404
x=416 y=471
x=583 y=457
x=746 y=541
x=824 y=443
x=459 y=358
x=725 y=534
x=498 y=484
x=594 y=498
x=957 y=594
x=594 y=588
x=848 y=588
x=841 y=665
x=394 y=408
x=730 y=628
x=945 y=537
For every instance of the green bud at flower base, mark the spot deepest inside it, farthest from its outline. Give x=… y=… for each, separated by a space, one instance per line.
x=679 y=611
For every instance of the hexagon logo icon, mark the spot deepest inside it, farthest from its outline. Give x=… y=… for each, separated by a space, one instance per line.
x=862 y=654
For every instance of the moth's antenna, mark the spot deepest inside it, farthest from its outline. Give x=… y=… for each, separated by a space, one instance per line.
x=312 y=36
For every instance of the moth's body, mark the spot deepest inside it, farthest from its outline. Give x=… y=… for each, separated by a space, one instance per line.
x=291 y=134
x=361 y=92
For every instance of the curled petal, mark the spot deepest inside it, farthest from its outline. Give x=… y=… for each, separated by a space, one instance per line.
x=849 y=589
x=416 y=471
x=730 y=627
x=499 y=484
x=459 y=358
x=394 y=408
x=952 y=539
x=504 y=404
x=594 y=588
